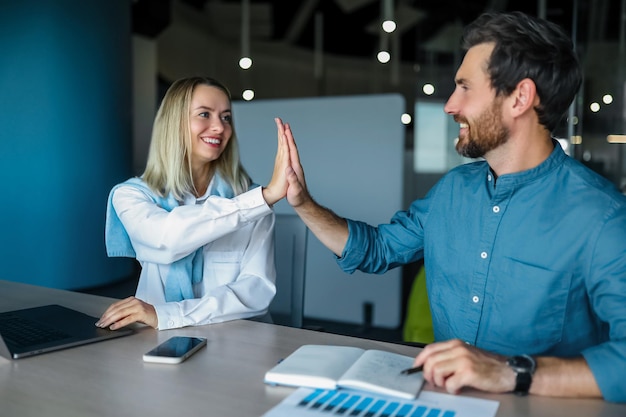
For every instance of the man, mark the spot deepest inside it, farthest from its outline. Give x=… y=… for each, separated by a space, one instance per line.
x=525 y=251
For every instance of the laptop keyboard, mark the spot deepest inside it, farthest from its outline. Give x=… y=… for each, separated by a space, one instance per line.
x=20 y=331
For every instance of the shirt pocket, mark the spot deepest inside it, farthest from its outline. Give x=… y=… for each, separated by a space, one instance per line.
x=221 y=267
x=530 y=305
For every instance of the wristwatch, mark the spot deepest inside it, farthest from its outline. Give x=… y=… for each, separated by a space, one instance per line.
x=524 y=366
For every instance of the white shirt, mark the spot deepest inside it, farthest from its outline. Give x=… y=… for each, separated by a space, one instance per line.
x=238 y=246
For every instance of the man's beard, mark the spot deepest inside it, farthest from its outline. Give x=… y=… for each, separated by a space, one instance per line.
x=485 y=134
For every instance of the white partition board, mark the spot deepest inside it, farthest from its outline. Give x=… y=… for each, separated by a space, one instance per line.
x=351 y=148
x=435 y=138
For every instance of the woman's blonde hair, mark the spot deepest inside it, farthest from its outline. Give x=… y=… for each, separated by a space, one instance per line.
x=168 y=170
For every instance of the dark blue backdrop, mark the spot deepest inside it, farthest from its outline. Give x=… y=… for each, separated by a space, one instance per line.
x=65 y=137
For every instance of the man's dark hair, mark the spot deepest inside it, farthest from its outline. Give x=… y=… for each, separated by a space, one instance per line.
x=529 y=47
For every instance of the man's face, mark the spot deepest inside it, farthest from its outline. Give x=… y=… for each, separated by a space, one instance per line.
x=475 y=106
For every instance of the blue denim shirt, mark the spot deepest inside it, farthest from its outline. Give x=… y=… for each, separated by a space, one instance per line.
x=533 y=263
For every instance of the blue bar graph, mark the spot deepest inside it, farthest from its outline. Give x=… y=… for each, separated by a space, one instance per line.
x=378 y=405
x=404 y=410
x=419 y=411
x=310 y=397
x=348 y=404
x=433 y=412
x=335 y=401
x=324 y=399
x=391 y=407
x=357 y=404
x=362 y=405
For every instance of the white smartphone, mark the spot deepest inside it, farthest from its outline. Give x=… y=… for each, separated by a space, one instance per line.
x=175 y=349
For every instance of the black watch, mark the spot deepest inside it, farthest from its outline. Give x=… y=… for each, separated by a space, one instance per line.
x=524 y=366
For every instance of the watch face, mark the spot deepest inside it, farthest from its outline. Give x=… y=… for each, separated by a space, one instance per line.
x=522 y=363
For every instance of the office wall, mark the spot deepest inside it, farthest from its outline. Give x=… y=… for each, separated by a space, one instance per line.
x=145 y=102
x=352 y=150
x=65 y=137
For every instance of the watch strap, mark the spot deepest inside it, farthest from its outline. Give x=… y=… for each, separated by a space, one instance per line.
x=522 y=383
x=524 y=367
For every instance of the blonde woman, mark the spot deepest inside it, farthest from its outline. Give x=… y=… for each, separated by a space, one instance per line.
x=198 y=226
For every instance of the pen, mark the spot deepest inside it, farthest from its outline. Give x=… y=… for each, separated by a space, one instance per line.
x=410 y=371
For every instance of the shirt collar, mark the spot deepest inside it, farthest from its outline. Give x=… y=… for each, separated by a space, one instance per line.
x=516 y=179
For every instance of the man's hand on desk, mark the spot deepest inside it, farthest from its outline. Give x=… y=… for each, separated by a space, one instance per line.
x=127 y=311
x=454 y=364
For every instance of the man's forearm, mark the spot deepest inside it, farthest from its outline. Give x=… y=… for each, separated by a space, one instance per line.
x=328 y=227
x=557 y=377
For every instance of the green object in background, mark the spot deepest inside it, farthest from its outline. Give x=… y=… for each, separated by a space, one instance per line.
x=418 y=326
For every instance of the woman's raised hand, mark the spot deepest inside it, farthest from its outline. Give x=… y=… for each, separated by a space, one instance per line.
x=277 y=187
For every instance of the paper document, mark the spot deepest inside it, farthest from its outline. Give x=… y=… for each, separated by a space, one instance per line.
x=311 y=402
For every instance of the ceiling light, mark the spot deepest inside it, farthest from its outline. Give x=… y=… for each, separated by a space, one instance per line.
x=383 y=57
x=616 y=138
x=428 y=89
x=389 y=26
x=576 y=139
x=245 y=62
x=247 y=94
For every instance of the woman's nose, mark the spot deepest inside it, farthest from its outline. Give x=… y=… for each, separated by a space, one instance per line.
x=217 y=126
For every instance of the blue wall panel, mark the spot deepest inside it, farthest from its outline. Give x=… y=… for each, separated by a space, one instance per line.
x=65 y=137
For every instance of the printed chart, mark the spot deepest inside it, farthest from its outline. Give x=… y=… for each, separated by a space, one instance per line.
x=306 y=402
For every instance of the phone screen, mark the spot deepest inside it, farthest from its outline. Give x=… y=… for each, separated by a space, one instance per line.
x=175 y=349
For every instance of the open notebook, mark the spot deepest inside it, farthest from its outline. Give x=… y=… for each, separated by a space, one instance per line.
x=37 y=330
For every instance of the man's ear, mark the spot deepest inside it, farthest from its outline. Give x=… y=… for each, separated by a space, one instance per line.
x=524 y=97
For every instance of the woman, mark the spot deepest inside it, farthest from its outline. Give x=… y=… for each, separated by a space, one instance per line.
x=202 y=232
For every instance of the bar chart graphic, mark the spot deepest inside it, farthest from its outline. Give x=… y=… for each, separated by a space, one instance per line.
x=348 y=403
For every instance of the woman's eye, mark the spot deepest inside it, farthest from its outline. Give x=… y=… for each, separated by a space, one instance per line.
x=204 y=114
x=227 y=119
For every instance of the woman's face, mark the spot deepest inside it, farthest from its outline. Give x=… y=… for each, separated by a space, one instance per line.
x=210 y=123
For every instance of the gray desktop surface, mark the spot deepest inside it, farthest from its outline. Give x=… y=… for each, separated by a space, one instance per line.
x=225 y=379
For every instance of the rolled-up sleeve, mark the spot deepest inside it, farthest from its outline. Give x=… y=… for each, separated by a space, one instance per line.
x=607 y=290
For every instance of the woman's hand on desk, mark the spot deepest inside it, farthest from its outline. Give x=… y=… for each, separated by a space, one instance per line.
x=127 y=311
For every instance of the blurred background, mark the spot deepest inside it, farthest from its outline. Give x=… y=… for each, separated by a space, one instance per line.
x=330 y=47
x=81 y=80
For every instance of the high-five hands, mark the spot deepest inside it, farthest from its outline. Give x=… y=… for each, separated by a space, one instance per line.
x=297 y=192
x=277 y=188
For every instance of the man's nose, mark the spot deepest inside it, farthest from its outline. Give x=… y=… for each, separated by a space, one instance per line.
x=450 y=107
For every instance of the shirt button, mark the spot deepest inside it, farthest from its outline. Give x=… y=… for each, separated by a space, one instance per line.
x=483 y=255
x=488 y=177
x=475 y=298
x=496 y=209
x=170 y=323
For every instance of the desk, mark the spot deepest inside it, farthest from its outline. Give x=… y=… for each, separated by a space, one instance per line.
x=225 y=379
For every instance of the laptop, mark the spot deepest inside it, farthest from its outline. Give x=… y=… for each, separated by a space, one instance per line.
x=33 y=331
